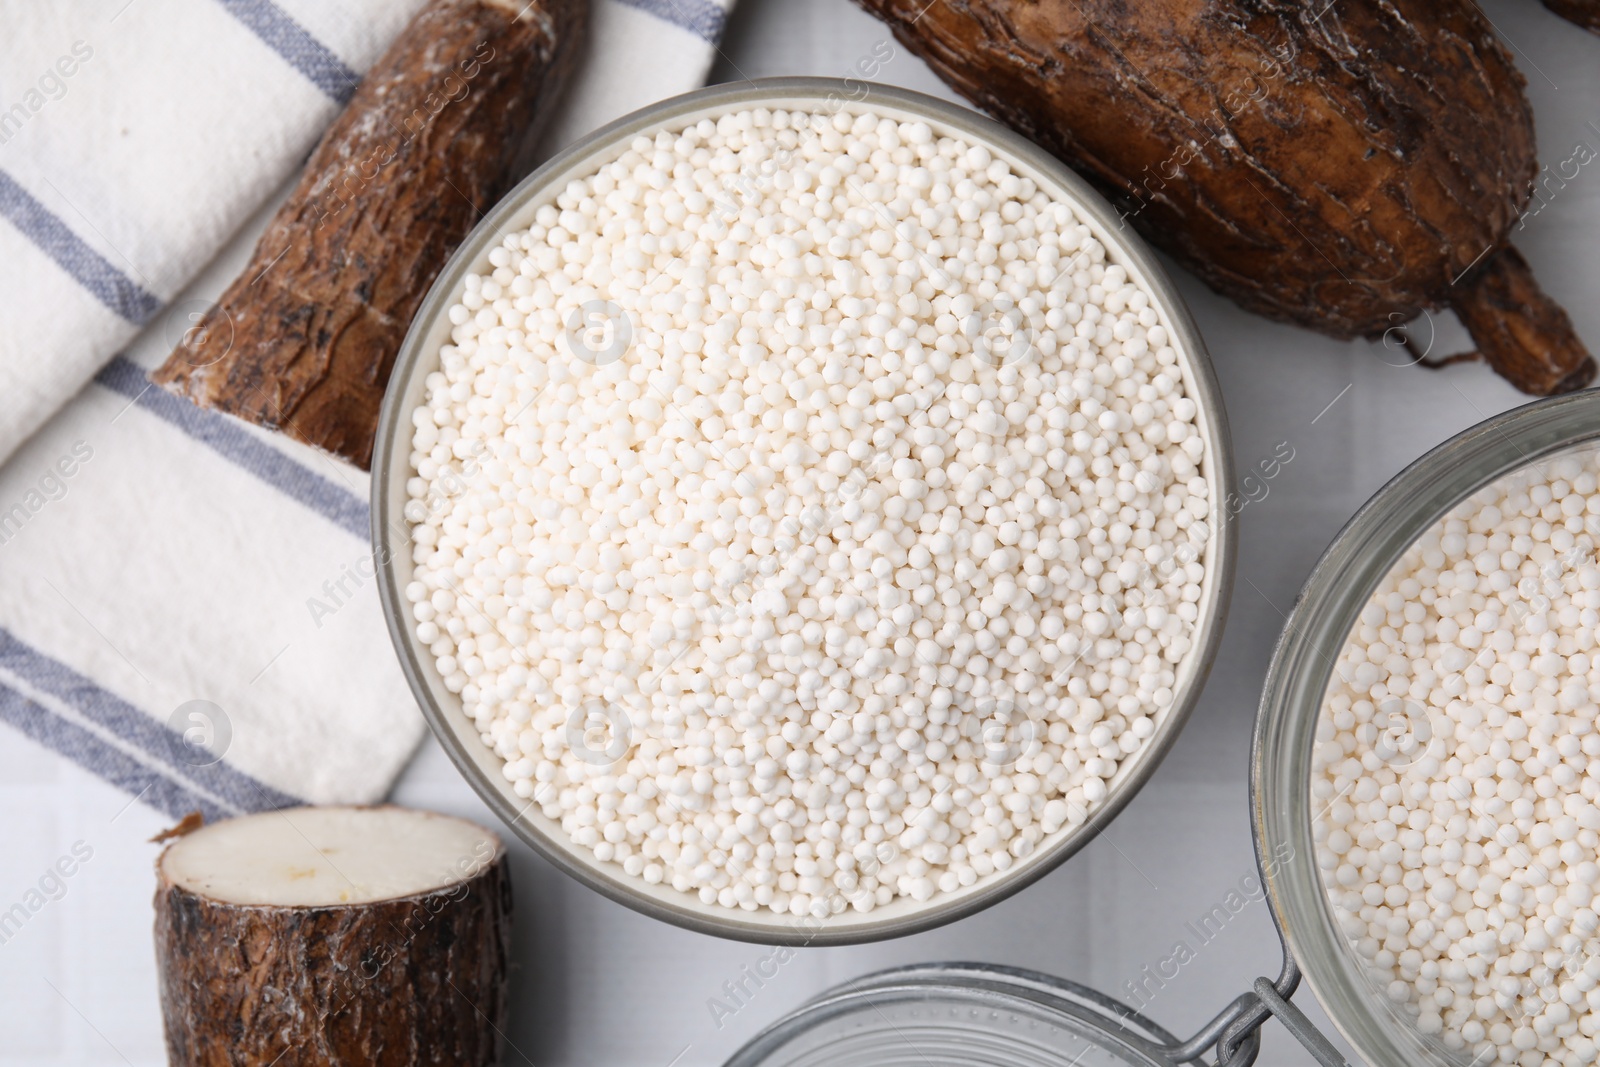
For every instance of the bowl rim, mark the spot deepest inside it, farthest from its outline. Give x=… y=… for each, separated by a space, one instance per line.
x=1338 y=587
x=391 y=455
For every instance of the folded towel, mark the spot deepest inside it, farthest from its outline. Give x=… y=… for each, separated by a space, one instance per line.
x=190 y=609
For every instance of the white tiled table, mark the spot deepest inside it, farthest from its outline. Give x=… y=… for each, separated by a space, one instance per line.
x=600 y=985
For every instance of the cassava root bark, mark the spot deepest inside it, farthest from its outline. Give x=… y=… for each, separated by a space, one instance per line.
x=304 y=339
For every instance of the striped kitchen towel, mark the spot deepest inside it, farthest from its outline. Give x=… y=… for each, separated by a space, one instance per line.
x=189 y=610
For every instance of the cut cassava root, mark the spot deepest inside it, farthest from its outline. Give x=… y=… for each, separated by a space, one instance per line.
x=320 y=936
x=304 y=339
x=1343 y=167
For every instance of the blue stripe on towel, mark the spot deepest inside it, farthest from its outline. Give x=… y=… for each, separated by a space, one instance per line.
x=102 y=759
x=72 y=254
x=235 y=444
x=280 y=32
x=133 y=727
x=703 y=18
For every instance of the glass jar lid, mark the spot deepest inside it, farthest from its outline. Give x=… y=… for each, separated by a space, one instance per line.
x=962 y=1015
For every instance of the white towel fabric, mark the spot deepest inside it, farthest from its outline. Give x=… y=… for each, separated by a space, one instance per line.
x=180 y=586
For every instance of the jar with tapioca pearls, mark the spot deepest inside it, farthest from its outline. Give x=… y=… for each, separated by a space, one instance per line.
x=1425 y=742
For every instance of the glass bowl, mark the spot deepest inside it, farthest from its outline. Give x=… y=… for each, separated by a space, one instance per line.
x=390 y=532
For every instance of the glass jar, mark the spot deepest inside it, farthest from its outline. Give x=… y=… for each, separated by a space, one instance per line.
x=1291 y=703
